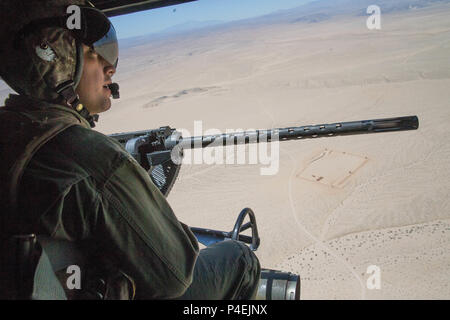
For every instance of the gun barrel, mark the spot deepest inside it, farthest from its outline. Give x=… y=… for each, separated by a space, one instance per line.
x=311 y=131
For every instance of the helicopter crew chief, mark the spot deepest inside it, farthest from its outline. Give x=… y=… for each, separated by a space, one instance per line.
x=63 y=180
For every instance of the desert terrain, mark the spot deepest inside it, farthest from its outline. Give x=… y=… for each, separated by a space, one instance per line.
x=336 y=206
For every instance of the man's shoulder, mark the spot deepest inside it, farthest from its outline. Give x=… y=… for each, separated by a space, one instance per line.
x=81 y=137
x=89 y=150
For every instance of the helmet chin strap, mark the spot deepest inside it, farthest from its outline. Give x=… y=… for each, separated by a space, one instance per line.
x=67 y=92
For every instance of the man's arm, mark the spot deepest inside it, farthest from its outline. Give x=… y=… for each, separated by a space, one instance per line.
x=136 y=225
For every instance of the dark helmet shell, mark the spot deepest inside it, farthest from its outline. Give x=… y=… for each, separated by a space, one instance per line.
x=43 y=59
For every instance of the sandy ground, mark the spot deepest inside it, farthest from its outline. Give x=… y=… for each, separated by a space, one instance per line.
x=315 y=218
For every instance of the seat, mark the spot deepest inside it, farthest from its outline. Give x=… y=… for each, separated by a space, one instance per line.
x=26 y=272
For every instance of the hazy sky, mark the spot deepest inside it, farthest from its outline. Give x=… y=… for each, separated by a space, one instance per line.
x=152 y=21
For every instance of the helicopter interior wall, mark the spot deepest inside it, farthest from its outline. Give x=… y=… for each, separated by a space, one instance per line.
x=119 y=7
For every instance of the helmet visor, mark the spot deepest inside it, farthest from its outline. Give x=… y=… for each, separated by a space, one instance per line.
x=99 y=33
x=108 y=47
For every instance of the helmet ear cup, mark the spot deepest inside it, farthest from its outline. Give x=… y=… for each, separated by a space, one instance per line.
x=53 y=59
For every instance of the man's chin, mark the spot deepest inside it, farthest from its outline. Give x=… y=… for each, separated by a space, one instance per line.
x=107 y=106
x=104 y=106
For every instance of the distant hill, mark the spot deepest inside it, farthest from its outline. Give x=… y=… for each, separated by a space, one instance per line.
x=313 y=18
x=322 y=10
x=190 y=26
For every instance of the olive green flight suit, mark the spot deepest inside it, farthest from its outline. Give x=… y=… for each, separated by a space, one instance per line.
x=82 y=186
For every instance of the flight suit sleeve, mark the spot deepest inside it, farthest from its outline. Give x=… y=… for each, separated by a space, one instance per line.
x=139 y=230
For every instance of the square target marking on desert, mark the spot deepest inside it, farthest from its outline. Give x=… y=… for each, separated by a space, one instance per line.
x=332 y=167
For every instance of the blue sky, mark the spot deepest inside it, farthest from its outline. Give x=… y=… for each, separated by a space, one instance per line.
x=152 y=21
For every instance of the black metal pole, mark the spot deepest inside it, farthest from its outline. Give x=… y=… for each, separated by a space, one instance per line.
x=311 y=131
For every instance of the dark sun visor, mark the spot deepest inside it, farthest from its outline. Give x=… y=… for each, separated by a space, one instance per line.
x=99 y=33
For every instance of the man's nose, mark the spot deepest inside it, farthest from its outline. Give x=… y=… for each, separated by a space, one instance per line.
x=110 y=70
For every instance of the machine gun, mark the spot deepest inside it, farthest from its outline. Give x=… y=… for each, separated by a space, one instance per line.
x=160 y=151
